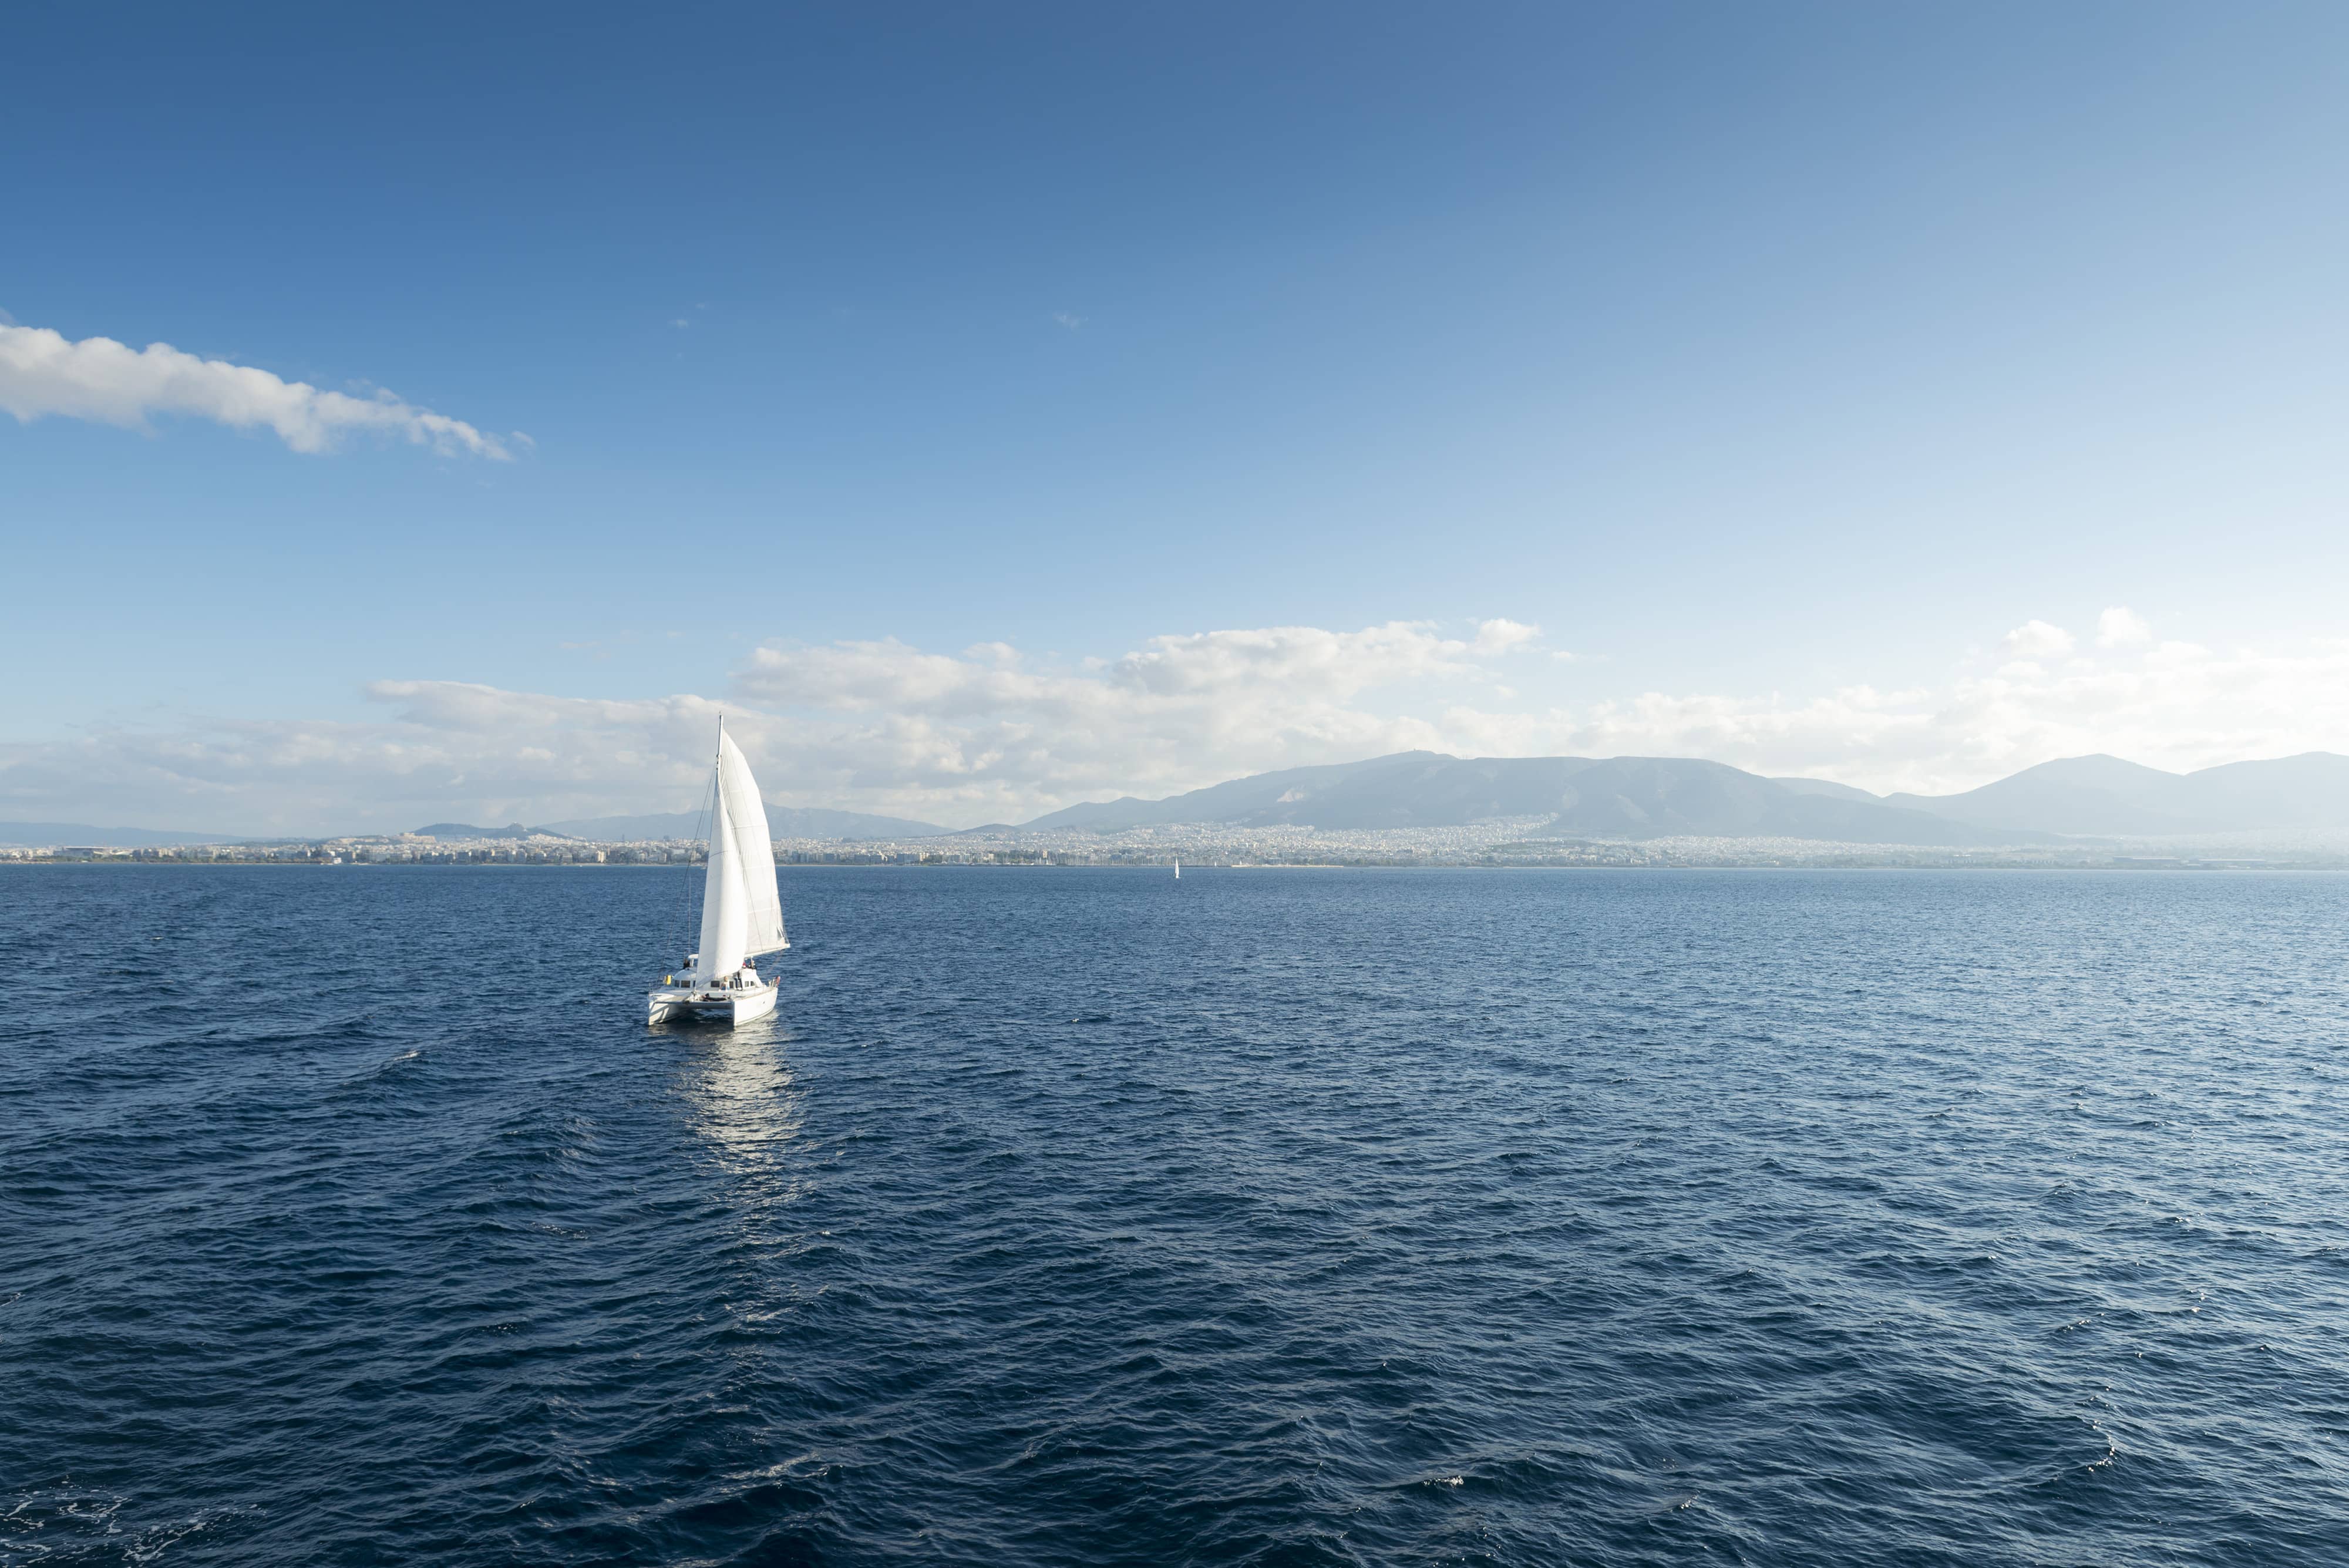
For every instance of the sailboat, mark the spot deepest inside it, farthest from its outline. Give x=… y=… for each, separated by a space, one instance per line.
x=741 y=909
x=1178 y=870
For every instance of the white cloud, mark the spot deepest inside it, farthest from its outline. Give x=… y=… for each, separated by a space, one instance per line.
x=1069 y=319
x=993 y=734
x=2171 y=705
x=2121 y=627
x=43 y=373
x=986 y=734
x=2037 y=639
x=1498 y=636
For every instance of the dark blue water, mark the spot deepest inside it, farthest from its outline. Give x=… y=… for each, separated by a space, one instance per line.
x=1085 y=1217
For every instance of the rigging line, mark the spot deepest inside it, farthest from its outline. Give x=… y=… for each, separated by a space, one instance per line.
x=684 y=888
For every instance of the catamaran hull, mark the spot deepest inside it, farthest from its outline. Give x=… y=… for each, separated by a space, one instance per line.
x=709 y=1007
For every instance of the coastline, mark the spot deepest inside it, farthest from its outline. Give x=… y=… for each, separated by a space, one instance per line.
x=2147 y=863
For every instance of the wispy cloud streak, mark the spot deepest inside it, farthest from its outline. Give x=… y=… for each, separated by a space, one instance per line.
x=43 y=373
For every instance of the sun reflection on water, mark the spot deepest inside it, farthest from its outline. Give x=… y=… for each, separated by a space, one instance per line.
x=738 y=1083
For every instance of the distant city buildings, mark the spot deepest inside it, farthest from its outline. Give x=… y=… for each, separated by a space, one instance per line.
x=1504 y=842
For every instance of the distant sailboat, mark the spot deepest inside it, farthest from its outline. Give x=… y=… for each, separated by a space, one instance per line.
x=1178 y=870
x=741 y=909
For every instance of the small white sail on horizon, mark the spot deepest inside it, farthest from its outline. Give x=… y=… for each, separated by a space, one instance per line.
x=741 y=906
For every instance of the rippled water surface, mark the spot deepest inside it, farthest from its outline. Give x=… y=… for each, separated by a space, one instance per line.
x=1062 y=1216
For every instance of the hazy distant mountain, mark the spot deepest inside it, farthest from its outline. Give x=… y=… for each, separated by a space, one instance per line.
x=783 y=822
x=653 y=824
x=818 y=822
x=467 y=830
x=36 y=835
x=1409 y=789
x=1648 y=797
x=2106 y=795
x=1654 y=797
x=1633 y=797
x=1826 y=787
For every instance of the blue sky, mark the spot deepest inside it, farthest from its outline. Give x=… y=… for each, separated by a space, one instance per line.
x=1758 y=355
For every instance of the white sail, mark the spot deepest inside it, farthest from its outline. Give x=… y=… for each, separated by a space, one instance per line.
x=754 y=851
x=741 y=907
x=725 y=911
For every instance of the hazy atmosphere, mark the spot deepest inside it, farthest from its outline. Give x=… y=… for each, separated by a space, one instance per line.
x=988 y=414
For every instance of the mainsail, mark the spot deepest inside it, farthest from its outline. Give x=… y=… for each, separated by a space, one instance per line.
x=741 y=907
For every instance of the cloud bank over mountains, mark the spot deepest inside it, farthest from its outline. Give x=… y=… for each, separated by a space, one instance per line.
x=989 y=732
x=43 y=373
x=994 y=734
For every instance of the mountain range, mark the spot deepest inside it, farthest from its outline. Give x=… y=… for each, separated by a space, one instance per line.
x=783 y=821
x=1616 y=797
x=1590 y=797
x=2107 y=797
x=1650 y=797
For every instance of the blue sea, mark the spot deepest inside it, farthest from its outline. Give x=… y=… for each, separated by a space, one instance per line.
x=1085 y=1216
